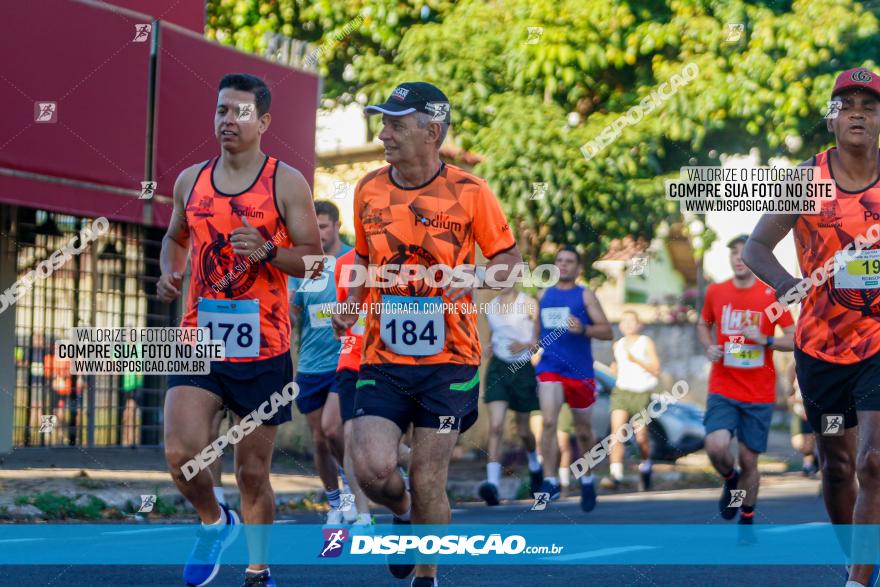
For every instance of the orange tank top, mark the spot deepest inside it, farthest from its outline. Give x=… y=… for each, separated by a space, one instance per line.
x=840 y=323
x=243 y=302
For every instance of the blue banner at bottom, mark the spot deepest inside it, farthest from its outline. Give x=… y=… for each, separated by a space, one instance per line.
x=530 y=544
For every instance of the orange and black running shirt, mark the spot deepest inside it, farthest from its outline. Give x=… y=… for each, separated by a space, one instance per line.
x=840 y=320
x=437 y=223
x=243 y=302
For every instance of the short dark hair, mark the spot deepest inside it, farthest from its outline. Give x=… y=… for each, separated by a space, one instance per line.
x=739 y=239
x=249 y=83
x=328 y=209
x=572 y=250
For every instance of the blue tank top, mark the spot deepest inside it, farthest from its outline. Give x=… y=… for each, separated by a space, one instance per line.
x=567 y=354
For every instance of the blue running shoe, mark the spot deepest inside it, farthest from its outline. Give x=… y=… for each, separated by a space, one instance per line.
x=263 y=579
x=204 y=560
x=588 y=496
x=552 y=488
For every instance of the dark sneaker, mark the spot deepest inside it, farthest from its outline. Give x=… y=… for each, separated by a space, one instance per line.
x=645 y=480
x=728 y=513
x=402 y=570
x=422 y=582
x=588 y=496
x=553 y=489
x=489 y=493
x=535 y=480
x=204 y=560
x=263 y=579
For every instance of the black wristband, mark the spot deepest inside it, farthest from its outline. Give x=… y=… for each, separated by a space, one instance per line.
x=270 y=254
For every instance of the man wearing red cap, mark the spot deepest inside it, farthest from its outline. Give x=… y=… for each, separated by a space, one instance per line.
x=837 y=341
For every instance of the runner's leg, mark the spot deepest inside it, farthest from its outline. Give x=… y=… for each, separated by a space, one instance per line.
x=749 y=478
x=550 y=397
x=619 y=418
x=497 y=413
x=189 y=419
x=717 y=445
x=375 y=454
x=867 y=507
x=331 y=425
x=428 y=475
x=253 y=463
x=838 y=459
x=216 y=467
x=324 y=462
x=362 y=503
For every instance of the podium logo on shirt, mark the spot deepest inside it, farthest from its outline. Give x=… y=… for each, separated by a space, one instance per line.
x=734 y=321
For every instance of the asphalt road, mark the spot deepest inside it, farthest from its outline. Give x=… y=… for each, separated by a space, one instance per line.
x=789 y=501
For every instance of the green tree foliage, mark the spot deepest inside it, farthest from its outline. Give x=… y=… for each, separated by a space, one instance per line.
x=527 y=107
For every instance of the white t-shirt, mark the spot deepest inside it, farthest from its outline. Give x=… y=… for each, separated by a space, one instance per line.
x=516 y=326
x=632 y=376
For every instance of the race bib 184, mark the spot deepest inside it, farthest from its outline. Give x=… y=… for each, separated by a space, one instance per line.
x=412 y=326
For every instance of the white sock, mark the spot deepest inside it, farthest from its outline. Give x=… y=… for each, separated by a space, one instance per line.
x=617 y=471
x=364 y=518
x=534 y=461
x=252 y=572
x=333 y=498
x=854 y=584
x=645 y=466
x=565 y=476
x=493 y=473
x=221 y=521
x=587 y=479
x=221 y=497
x=553 y=480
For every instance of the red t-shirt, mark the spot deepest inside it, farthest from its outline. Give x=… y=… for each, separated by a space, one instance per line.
x=745 y=373
x=350 y=351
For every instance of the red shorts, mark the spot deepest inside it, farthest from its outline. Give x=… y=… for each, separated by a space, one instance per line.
x=579 y=393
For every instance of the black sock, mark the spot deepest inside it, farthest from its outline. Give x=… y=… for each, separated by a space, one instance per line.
x=746 y=514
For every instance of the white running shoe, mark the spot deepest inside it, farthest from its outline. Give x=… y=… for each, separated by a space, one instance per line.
x=334 y=518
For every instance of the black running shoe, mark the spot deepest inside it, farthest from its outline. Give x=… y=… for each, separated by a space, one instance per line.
x=259 y=580
x=535 y=480
x=645 y=480
x=422 y=582
x=728 y=513
x=489 y=493
x=402 y=570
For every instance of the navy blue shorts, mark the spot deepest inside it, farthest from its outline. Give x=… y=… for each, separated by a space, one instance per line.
x=346 y=386
x=832 y=389
x=313 y=390
x=427 y=396
x=243 y=387
x=749 y=422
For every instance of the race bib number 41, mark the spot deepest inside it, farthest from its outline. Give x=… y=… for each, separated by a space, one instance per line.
x=412 y=326
x=861 y=271
x=743 y=356
x=235 y=322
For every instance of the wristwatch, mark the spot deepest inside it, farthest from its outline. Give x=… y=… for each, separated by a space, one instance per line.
x=769 y=342
x=270 y=254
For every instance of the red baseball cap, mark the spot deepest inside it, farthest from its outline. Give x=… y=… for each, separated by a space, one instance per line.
x=857 y=78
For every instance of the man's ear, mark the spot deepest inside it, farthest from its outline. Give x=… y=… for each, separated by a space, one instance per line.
x=265 y=121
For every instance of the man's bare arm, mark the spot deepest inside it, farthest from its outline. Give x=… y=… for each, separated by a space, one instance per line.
x=600 y=328
x=295 y=202
x=175 y=243
x=758 y=252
